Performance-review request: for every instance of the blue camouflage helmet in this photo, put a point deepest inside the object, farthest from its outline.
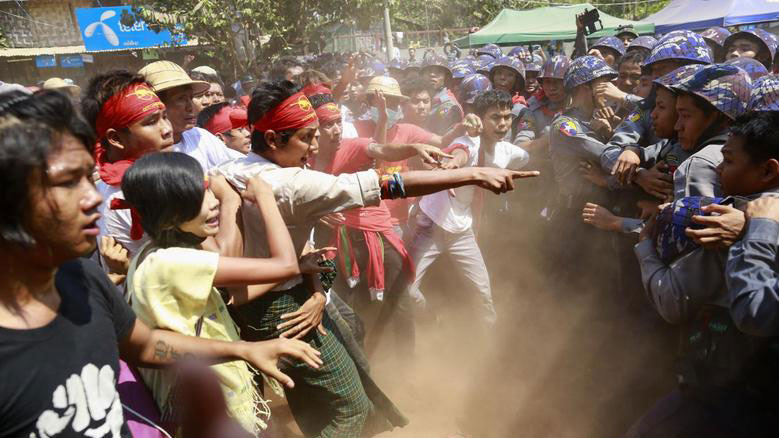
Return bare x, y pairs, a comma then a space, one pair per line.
461, 70
437, 61
522, 53
717, 35
645, 42
669, 236
533, 67
765, 94
680, 45
668, 80
472, 86
586, 69
397, 64
753, 67
491, 50
484, 59
510, 63
555, 68
760, 36
726, 87
611, 42
484, 67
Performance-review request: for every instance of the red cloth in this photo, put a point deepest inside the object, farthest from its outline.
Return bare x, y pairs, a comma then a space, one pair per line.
120, 111
127, 107
226, 119
518, 99
350, 157
401, 133
136, 230
324, 104
293, 113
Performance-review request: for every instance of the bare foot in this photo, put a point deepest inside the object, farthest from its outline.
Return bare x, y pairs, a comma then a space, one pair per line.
600, 217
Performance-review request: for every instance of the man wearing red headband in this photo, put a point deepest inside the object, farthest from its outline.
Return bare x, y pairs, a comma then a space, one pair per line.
228, 123
371, 255
336, 400
130, 121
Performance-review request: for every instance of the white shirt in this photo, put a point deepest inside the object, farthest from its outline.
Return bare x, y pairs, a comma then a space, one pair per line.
347, 130
451, 209
205, 147
302, 195
116, 223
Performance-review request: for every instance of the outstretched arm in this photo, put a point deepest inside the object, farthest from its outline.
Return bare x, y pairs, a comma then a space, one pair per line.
158, 348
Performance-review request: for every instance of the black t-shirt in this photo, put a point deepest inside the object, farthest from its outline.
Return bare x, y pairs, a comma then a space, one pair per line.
60, 379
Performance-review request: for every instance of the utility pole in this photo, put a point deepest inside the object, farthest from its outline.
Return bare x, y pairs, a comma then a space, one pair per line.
387, 32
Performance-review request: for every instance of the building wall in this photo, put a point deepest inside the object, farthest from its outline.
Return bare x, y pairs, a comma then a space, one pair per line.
41, 23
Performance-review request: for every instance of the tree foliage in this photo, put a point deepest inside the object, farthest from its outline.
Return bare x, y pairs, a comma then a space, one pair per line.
246, 32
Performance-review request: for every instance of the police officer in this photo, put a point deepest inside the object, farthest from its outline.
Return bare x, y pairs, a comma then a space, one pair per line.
492, 50
754, 43
610, 48
472, 86
674, 50
508, 74
715, 37
543, 107
445, 112
571, 141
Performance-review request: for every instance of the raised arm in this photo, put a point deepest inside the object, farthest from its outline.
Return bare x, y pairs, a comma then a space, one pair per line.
281, 264
228, 241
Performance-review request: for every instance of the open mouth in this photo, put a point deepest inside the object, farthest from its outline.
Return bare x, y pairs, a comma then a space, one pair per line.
213, 222
91, 229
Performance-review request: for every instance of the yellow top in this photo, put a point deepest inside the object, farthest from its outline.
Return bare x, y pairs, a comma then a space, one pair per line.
171, 289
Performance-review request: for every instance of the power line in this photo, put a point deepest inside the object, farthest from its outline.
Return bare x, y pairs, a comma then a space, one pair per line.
25, 18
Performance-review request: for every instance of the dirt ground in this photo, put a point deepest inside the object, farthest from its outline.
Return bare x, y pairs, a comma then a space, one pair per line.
561, 362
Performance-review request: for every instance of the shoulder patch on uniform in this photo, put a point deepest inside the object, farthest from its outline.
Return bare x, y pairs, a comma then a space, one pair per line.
567, 126
635, 116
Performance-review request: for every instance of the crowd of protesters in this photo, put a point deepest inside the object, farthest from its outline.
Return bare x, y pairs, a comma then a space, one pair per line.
174, 247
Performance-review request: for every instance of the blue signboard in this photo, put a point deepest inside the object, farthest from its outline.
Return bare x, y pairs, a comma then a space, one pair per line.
71, 61
101, 30
45, 61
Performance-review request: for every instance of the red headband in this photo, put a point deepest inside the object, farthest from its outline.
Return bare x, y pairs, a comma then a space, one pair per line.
293, 113
127, 107
322, 99
226, 119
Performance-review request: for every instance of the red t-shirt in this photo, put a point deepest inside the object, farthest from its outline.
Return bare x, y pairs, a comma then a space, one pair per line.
352, 156
401, 133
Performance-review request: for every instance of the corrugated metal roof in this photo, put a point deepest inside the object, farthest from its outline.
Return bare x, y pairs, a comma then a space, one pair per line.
66, 50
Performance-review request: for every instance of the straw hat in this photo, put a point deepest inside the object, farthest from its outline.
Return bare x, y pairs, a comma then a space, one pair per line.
206, 70
164, 75
61, 84
385, 84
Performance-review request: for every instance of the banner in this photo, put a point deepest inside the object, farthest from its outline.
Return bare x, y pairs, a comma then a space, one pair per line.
45, 61
71, 61
101, 29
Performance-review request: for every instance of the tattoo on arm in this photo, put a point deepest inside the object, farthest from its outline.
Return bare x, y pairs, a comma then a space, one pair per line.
163, 352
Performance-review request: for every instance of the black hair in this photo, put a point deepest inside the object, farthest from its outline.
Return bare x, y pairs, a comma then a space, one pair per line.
31, 127
167, 190
265, 97
760, 132
415, 85
491, 99
102, 87
634, 56
209, 112
279, 70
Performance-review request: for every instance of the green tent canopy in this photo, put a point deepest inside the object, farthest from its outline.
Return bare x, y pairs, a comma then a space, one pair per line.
543, 24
